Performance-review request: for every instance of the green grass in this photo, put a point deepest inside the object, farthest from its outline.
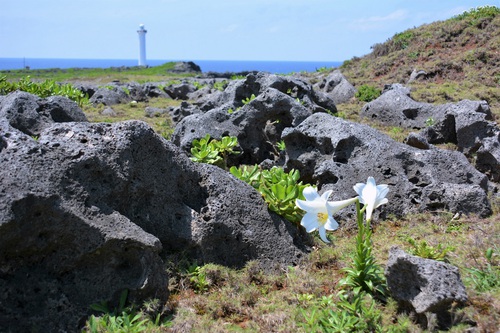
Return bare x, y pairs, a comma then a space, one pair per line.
162, 125
295, 299
124, 74
214, 298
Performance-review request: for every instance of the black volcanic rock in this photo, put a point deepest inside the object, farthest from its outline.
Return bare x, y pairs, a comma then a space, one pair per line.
336, 154
185, 67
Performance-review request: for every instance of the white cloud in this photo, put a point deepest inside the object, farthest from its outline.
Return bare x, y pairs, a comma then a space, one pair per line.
375, 23
398, 15
274, 29
230, 28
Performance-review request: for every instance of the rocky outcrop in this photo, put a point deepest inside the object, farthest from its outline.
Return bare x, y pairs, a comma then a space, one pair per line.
239, 91
335, 154
395, 107
110, 95
255, 110
465, 124
136, 91
180, 91
468, 125
424, 286
32, 114
257, 125
180, 112
151, 112
89, 210
337, 87
488, 157
185, 67
154, 90
58, 256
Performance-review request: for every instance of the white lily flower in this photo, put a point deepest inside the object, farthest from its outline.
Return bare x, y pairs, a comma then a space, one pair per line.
371, 195
319, 212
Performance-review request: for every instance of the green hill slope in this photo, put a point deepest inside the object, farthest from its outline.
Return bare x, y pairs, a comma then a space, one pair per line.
461, 55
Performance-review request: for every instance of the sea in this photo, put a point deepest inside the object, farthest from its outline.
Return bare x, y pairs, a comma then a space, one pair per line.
220, 66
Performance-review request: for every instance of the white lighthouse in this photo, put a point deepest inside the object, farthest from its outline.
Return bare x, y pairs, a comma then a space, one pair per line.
142, 45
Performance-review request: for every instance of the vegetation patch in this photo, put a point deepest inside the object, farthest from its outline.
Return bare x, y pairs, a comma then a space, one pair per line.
43, 89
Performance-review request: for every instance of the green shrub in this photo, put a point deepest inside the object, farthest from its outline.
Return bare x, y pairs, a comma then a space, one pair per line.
248, 99
212, 151
324, 69
43, 89
281, 145
354, 314
220, 85
250, 175
278, 188
126, 91
198, 85
367, 93
402, 40
198, 278
426, 251
478, 13
430, 122
125, 319
238, 77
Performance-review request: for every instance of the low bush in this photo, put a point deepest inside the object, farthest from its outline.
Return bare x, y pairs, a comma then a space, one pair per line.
367, 93
43, 89
280, 189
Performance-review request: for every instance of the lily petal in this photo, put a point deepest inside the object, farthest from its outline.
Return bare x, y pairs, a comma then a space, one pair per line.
326, 195
309, 205
382, 191
331, 224
310, 193
319, 212
371, 195
322, 235
334, 206
359, 189
310, 222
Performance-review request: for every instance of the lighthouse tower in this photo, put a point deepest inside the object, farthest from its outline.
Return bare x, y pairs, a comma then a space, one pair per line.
142, 45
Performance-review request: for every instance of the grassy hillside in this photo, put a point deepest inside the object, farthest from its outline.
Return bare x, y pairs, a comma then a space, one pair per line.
461, 57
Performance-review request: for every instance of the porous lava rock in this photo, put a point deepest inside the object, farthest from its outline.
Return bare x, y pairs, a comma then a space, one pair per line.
90, 210
336, 154
424, 286
337, 87
31, 114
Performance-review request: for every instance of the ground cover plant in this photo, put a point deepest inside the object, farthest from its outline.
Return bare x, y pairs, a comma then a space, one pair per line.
279, 189
43, 89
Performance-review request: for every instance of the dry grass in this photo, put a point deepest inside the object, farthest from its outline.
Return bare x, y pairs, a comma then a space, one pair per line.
163, 124
255, 299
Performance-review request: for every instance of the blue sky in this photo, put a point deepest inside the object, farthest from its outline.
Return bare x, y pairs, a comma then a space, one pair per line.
295, 30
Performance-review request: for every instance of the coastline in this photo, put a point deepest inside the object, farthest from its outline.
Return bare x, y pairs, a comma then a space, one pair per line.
220, 66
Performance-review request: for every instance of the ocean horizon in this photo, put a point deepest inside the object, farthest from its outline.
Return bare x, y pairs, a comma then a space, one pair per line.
221, 66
